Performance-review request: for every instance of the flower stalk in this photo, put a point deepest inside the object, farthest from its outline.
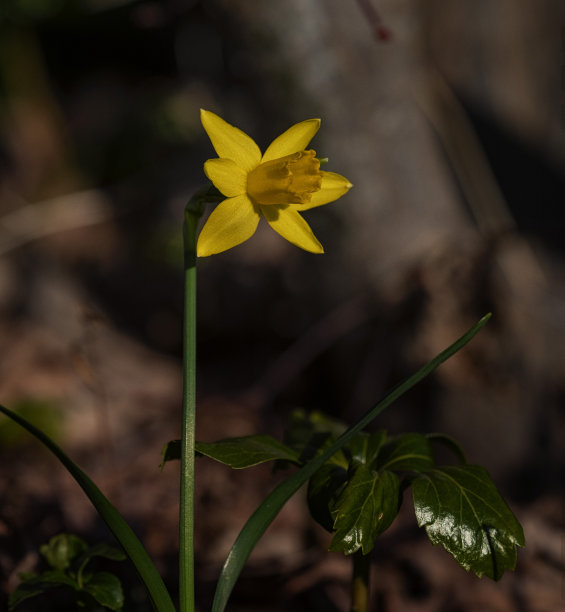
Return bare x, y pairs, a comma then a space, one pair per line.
192, 214
277, 185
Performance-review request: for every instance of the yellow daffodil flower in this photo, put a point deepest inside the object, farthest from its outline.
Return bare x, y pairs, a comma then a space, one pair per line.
277, 185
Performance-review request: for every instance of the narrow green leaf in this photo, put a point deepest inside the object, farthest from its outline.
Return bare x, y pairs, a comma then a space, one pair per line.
106, 590
247, 451
62, 549
121, 530
266, 512
411, 451
463, 511
43, 413
366, 507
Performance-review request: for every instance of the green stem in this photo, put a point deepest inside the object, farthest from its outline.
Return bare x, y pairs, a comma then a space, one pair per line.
192, 214
360, 582
186, 522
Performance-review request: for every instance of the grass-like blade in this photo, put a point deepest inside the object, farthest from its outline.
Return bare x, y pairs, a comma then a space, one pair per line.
271, 506
122, 531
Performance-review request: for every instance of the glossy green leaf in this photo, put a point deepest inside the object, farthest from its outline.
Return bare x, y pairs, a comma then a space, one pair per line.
247, 451
449, 443
365, 447
62, 549
374, 445
463, 511
272, 504
106, 590
366, 507
238, 453
122, 531
411, 451
327, 484
107, 551
34, 585
323, 491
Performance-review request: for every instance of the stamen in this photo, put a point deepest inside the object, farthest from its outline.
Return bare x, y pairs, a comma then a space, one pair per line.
287, 180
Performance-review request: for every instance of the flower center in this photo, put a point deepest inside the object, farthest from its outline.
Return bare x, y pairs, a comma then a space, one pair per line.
288, 180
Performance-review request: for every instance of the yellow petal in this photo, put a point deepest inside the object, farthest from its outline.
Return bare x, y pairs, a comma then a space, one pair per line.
227, 176
232, 222
286, 220
333, 187
230, 142
294, 139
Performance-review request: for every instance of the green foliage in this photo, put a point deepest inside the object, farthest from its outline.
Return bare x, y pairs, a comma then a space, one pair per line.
365, 508
462, 510
62, 549
410, 451
255, 527
449, 443
238, 453
69, 558
357, 492
122, 531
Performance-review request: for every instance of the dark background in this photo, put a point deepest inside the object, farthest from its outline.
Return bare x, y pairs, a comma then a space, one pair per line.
452, 133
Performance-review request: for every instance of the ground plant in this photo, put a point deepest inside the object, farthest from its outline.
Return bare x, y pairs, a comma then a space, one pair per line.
356, 476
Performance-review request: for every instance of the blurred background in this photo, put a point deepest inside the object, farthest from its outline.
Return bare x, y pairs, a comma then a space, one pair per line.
449, 119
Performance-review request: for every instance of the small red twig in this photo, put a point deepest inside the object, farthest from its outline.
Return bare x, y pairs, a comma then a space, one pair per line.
375, 22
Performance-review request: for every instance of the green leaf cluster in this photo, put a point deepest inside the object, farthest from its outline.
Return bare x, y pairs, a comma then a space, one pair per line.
462, 510
357, 493
69, 559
